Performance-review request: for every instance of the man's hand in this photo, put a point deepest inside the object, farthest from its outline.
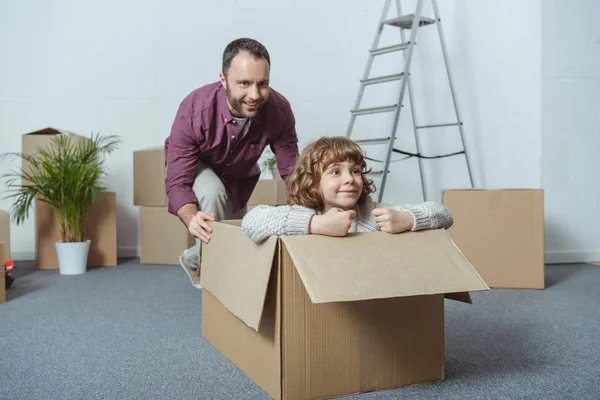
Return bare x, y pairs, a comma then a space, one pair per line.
393, 221
199, 226
335, 222
196, 221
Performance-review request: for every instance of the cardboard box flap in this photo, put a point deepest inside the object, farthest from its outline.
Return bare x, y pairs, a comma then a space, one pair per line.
236, 271
151, 149
374, 265
46, 131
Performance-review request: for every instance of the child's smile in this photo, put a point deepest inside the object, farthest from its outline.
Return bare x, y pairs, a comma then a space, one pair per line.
341, 185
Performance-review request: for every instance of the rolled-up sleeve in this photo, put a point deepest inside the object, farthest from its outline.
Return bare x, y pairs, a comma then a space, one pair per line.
285, 147
182, 160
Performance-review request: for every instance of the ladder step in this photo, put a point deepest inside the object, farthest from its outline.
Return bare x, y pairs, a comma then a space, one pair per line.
389, 49
373, 141
405, 22
373, 110
382, 79
375, 173
438, 125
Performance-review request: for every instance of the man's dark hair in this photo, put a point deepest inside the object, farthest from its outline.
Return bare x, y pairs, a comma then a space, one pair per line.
244, 44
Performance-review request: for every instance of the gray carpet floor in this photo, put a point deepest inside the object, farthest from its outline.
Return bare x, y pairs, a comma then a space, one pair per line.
134, 332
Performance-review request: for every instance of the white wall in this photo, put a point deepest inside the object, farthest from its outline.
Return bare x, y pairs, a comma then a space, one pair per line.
571, 129
121, 67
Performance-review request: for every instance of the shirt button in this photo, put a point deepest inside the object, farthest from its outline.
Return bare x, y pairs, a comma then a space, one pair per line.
233, 136
227, 165
231, 152
234, 122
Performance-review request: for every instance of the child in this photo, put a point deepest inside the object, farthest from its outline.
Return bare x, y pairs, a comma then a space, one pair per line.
328, 193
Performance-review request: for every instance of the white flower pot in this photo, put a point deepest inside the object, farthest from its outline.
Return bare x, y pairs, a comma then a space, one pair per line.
72, 257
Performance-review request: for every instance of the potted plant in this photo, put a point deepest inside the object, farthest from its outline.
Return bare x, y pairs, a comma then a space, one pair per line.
65, 175
270, 164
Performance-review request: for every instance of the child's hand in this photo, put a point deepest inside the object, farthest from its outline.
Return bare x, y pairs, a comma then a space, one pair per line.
335, 222
393, 221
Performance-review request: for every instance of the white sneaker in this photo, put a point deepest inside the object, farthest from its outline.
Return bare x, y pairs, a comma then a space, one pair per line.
189, 261
189, 258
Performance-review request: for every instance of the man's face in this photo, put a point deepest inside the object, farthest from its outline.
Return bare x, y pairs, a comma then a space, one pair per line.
246, 84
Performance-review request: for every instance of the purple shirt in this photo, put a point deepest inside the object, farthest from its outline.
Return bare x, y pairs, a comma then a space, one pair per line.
204, 130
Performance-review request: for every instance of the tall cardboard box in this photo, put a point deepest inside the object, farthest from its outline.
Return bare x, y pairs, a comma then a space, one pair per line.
311, 316
162, 236
501, 232
3, 257
33, 141
149, 175
101, 230
5, 233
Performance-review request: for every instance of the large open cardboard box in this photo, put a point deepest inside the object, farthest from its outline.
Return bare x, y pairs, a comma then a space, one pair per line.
5, 233
149, 175
310, 317
162, 236
101, 230
501, 232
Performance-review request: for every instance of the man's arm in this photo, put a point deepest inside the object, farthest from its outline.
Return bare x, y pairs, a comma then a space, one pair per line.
182, 160
187, 212
285, 147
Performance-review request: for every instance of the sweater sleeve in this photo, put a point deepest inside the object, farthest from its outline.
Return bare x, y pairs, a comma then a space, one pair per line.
428, 215
264, 221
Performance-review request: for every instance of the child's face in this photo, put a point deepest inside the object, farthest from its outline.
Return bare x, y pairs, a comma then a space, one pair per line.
341, 185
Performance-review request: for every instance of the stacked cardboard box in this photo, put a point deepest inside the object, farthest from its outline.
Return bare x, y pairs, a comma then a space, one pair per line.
269, 192
101, 228
5, 233
3, 258
4, 250
162, 235
311, 316
501, 232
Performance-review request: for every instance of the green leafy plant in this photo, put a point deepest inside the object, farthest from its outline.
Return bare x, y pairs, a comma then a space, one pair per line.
65, 175
268, 162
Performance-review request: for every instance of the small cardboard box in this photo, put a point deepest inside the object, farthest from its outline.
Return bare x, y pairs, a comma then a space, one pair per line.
101, 230
33, 141
311, 316
162, 236
149, 175
501, 232
3, 257
5, 233
269, 192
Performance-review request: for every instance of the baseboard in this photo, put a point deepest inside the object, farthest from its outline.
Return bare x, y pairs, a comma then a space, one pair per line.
567, 257
128, 252
21, 255
551, 257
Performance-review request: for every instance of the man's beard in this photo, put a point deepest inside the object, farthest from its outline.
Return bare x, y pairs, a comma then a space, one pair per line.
237, 106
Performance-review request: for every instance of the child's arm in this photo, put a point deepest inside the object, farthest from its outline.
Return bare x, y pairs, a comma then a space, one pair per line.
264, 221
428, 215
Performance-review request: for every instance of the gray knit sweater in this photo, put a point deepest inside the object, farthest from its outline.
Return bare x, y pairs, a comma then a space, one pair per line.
264, 221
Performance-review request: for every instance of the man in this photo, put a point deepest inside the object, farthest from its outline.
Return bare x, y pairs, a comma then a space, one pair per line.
218, 135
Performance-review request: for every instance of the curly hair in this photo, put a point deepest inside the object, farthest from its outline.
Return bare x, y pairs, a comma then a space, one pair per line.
303, 183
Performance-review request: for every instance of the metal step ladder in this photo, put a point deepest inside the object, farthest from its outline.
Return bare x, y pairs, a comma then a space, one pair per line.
410, 22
